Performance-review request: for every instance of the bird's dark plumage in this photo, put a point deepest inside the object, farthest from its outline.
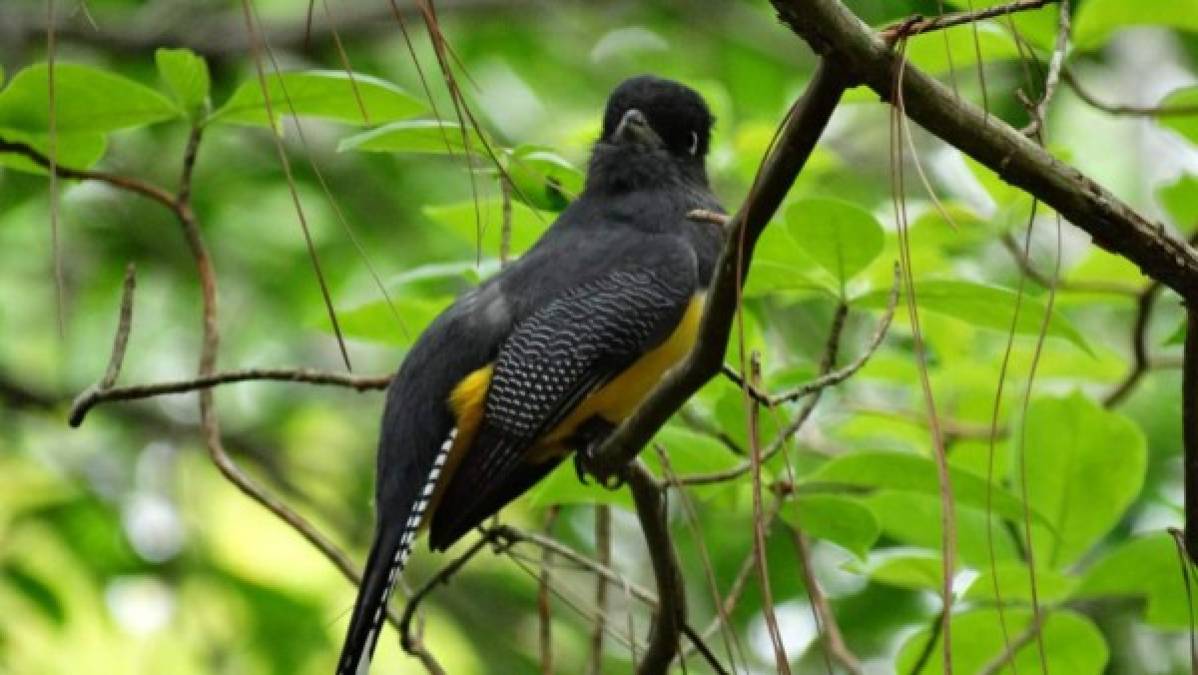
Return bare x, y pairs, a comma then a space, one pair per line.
564, 341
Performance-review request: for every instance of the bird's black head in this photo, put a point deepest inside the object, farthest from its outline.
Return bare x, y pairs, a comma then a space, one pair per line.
655, 131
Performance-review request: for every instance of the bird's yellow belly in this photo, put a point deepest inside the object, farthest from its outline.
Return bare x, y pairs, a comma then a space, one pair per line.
614, 402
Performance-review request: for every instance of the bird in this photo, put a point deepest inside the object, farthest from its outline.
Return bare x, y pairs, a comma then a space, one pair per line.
550, 354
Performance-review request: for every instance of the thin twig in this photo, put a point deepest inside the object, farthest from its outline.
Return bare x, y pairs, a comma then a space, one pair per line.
441, 577
544, 608
671, 608
1023, 260
91, 397
124, 323
1022, 640
815, 387
1055, 64
603, 555
919, 25
505, 233
760, 559
1084, 94
126, 183
834, 643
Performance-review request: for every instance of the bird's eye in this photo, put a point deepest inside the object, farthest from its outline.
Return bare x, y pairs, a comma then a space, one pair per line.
694, 142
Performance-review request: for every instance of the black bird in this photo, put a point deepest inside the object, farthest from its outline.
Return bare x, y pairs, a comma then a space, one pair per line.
548, 355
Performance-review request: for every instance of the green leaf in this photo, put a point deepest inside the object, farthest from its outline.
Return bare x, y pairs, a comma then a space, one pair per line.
1085, 466
1147, 567
920, 572
1014, 584
376, 321
1072, 644
1096, 20
186, 75
900, 471
989, 307
327, 94
87, 100
35, 590
1180, 199
840, 520
839, 236
1186, 125
915, 518
430, 137
1178, 336
465, 221
75, 150
562, 486
543, 179
689, 452
929, 52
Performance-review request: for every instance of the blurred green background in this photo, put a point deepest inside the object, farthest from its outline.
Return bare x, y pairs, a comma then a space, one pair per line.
122, 550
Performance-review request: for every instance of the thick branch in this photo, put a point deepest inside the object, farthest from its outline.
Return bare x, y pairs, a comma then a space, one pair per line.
794, 144
837, 34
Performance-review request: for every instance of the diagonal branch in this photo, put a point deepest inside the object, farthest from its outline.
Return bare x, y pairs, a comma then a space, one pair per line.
837, 34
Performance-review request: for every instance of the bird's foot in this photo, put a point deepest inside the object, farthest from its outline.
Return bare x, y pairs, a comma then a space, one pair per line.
588, 438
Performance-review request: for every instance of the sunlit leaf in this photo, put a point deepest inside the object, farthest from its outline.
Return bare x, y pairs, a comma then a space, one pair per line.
918, 572
1015, 584
1096, 20
563, 487
1072, 644
471, 222
841, 237
983, 306
433, 137
1085, 466
841, 520
326, 94
1146, 567
1180, 199
87, 100
1186, 125
901, 471
689, 452
186, 75
543, 179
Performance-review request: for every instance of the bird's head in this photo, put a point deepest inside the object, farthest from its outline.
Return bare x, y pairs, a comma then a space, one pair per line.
655, 131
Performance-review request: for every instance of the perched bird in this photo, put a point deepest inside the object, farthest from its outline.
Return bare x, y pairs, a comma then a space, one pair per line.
554, 351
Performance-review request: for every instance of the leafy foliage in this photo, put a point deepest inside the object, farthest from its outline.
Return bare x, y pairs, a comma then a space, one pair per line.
124, 544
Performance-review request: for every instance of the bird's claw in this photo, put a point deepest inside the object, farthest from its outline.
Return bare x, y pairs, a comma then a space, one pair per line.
582, 466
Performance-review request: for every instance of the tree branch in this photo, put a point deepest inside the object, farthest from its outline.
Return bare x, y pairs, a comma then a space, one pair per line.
837, 34
1084, 94
919, 25
671, 608
92, 397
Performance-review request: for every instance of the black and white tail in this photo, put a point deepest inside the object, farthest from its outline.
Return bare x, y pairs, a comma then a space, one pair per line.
388, 555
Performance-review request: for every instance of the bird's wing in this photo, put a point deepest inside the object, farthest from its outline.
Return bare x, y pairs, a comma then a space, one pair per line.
549, 364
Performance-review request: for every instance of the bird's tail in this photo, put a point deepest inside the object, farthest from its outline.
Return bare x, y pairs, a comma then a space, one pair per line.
388, 554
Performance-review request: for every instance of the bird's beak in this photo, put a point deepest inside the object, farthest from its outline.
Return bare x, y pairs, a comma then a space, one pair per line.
634, 128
